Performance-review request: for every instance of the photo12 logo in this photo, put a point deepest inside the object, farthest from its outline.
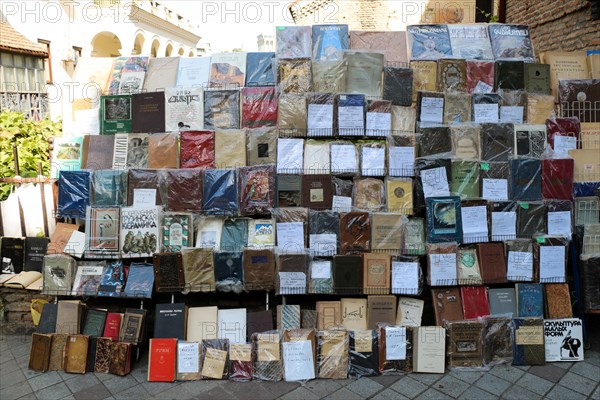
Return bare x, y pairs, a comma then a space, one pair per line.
54, 11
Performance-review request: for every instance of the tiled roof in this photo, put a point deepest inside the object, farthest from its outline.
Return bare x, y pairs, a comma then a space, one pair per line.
13, 41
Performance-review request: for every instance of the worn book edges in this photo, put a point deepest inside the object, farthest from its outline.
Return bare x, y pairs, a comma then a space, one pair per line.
39, 356
465, 344
75, 353
447, 305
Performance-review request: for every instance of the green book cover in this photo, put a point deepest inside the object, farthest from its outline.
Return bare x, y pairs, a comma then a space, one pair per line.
94, 323
177, 232
115, 114
66, 154
465, 179
537, 78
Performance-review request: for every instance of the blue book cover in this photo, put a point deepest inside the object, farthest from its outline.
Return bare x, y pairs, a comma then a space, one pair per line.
220, 192
109, 188
429, 42
530, 300
528, 342
444, 222
140, 281
329, 41
259, 69
525, 179
113, 280
73, 194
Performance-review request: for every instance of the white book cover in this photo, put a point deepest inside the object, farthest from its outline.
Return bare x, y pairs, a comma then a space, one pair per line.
209, 232
188, 357
470, 41
131, 82
563, 339
232, 325
140, 232
193, 71
201, 323
316, 158
410, 311
184, 108
161, 74
290, 156
261, 233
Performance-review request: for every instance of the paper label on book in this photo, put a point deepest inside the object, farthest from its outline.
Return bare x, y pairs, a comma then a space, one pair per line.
432, 109
495, 189
474, 221
442, 269
351, 120
268, 347
519, 265
435, 182
363, 341
552, 264
333, 343
483, 87
373, 161
410, 311
324, 244
405, 277
485, 113
559, 223
299, 361
341, 204
379, 124
402, 161
529, 335
343, 159
320, 119
214, 363
320, 270
290, 236
562, 145
240, 352
144, 197
292, 283
188, 358
504, 225
512, 114
395, 343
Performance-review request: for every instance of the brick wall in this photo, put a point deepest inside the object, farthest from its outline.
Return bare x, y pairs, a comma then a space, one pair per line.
557, 24
17, 309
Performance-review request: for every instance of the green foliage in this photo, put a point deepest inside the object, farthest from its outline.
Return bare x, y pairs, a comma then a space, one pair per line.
31, 139
490, 17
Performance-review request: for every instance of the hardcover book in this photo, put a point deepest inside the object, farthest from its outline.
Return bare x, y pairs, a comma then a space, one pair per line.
259, 69
486, 107
492, 261
497, 141
259, 269
12, 251
222, 109
510, 75
329, 42
457, 108
557, 178
447, 305
563, 134
465, 344
444, 221
120, 358
364, 353
511, 42
113, 280
452, 75
530, 140
575, 95
558, 300
39, 357
381, 309
259, 107
220, 192
410, 311
112, 326
87, 278
565, 65
115, 114
75, 353
329, 314
140, 232
102, 233
130, 151
387, 230
229, 271
109, 187
525, 182
376, 273
364, 74
132, 328
530, 300
470, 41
428, 42
148, 112
395, 349
468, 271
48, 319
398, 85
355, 232
563, 339
188, 361
261, 146
464, 180
57, 357
228, 70
67, 154
161, 74
497, 346
329, 76
140, 281
103, 353
256, 189
194, 71
429, 349
480, 76
161, 362
163, 151
391, 44
474, 301
347, 274
332, 358
502, 302
320, 114
168, 272
197, 149
293, 41
424, 77
294, 76
97, 152
201, 324
537, 78
288, 317
528, 345
354, 314
184, 108
58, 273
317, 191
73, 194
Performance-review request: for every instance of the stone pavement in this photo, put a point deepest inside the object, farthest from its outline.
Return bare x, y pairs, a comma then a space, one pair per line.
559, 381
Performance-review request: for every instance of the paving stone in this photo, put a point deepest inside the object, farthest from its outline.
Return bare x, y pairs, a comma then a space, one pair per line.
408, 387
507, 372
15, 391
9, 366
240, 390
535, 383
468, 376
174, 393
593, 357
578, 383
588, 370
30, 396
279, 389
70, 397
492, 384
386, 380
21, 350
140, 374
564, 365
427, 379
323, 387
474, 393
44, 380
432, 394
388, 394
54, 392
98, 391
300, 393
451, 386
5, 356
83, 382
216, 393
195, 387
30, 373
517, 392
103, 377
66, 376
155, 388
118, 384
522, 367
549, 372
135, 392
596, 394
343, 394
11, 378
365, 387
562, 393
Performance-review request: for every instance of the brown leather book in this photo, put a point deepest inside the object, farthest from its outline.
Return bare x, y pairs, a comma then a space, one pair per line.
168, 272
132, 328
163, 151
465, 344
184, 189
59, 341
143, 179
451, 75
148, 112
381, 309
390, 366
317, 191
558, 301
355, 232
39, 356
76, 351
103, 355
447, 305
291, 263
492, 262
376, 273
259, 269
97, 153
120, 358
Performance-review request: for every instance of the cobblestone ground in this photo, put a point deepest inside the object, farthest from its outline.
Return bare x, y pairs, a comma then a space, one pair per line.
559, 381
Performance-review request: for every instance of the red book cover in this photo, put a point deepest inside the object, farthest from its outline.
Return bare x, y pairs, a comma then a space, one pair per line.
557, 178
197, 149
474, 301
259, 107
161, 361
480, 75
112, 326
562, 127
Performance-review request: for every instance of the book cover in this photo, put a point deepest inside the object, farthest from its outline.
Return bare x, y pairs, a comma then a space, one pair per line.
232, 325
259, 321
95, 320
201, 324
102, 361
67, 154
465, 344
288, 317
329, 42
579, 98
355, 232
184, 108
130, 151
148, 112
511, 42
563, 339
386, 231
259, 107
262, 146
396, 350
132, 327
113, 280
364, 353
497, 141
444, 221
259, 69
347, 274
364, 74
558, 300
424, 77
320, 114
530, 300
380, 309
429, 349
140, 281
168, 272
39, 357
222, 109
58, 273
447, 305
525, 181
474, 301
329, 76
163, 151
376, 273
120, 358
502, 302
537, 78
127, 74
289, 191
161, 360
194, 71
291, 118
329, 314
470, 41
140, 232
112, 326
161, 74
557, 178
430, 108
294, 76
177, 232
87, 278
464, 180
102, 232
198, 269
48, 318
410, 311
565, 65
230, 148
428, 42
229, 271
115, 114
12, 251
398, 85
228, 70
76, 350
452, 75
293, 42
197, 149
220, 192
509, 75
480, 76
143, 188
317, 191
59, 341
332, 354
354, 314
97, 152
528, 344
486, 107
457, 108
530, 140
391, 44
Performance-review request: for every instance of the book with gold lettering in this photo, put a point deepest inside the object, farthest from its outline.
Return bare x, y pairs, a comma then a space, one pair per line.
376, 273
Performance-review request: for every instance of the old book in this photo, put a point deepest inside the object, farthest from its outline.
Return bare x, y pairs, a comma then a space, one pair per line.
289, 190
452, 75
259, 69
399, 193
113, 281
112, 326
497, 345
563, 134
56, 361
347, 274
120, 358
332, 358
39, 356
259, 321
376, 273
69, 317
590, 135
232, 325
67, 154
433, 141
354, 314
140, 231
184, 108
369, 193
193, 71
183, 189
424, 77
12, 251
381, 309
261, 146
430, 108
530, 300
465, 344
132, 327
429, 349
163, 151
510, 75
161, 360
531, 219
447, 305
268, 365
428, 42
127, 75
308, 319
329, 41
530, 140
364, 74
329, 314
525, 179
161, 73
585, 166
468, 271
58, 274
294, 76
97, 152
102, 236
413, 234
73, 194
259, 269
395, 349
364, 353
386, 230
220, 192
168, 272
565, 65
94, 323
108, 188
329, 76
355, 232
398, 85
480, 76
563, 339
228, 70
323, 233
470, 41
502, 302
259, 107
464, 180
140, 281
474, 301
391, 44
88, 277
528, 345
103, 355
222, 109
492, 261
229, 271
410, 311
317, 191
444, 220
293, 41
537, 78
148, 112
201, 323
75, 354
497, 141
115, 114
511, 42
457, 108
198, 269
48, 319
197, 149
170, 321
320, 114
60, 237
143, 183
188, 361
558, 300
230, 150
288, 317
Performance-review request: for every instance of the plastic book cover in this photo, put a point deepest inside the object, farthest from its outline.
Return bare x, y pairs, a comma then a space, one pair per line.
259, 69
429, 42
293, 41
140, 232
444, 223
228, 70
113, 280
73, 194
102, 232
184, 108
470, 42
177, 232
140, 281
511, 42
88, 277
66, 154
328, 42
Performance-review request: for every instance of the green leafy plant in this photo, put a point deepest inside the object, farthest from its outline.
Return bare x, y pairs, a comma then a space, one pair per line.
488, 15
31, 139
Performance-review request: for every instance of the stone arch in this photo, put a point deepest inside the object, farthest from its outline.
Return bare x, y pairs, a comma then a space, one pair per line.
155, 47
106, 44
181, 51
169, 50
191, 54
138, 43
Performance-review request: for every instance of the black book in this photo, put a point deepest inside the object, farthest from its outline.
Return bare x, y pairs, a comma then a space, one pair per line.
525, 183
48, 319
229, 270
94, 323
323, 223
170, 321
148, 112
168, 272
259, 69
434, 140
509, 75
398, 85
424, 164
347, 274
12, 254
91, 355
35, 250
258, 322
364, 353
497, 141
531, 219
